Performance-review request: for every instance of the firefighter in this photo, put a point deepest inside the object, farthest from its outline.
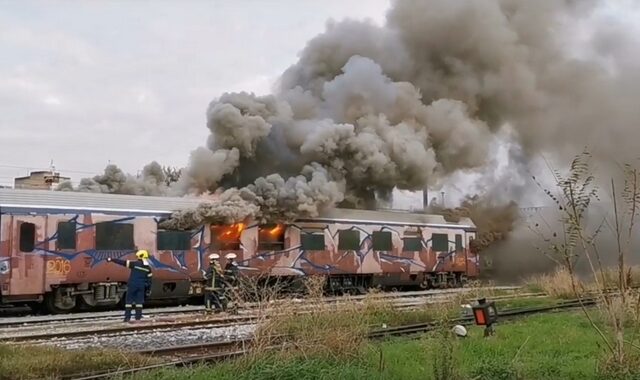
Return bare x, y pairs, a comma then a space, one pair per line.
231, 269
139, 283
214, 294
231, 282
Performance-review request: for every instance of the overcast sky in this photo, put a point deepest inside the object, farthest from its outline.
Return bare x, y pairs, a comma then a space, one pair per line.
83, 83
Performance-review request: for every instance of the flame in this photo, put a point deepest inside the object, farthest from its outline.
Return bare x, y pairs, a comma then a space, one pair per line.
275, 230
233, 231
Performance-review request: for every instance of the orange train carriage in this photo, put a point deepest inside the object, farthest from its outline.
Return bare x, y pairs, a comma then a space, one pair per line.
54, 246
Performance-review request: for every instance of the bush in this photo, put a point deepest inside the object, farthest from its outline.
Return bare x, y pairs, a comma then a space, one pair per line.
556, 284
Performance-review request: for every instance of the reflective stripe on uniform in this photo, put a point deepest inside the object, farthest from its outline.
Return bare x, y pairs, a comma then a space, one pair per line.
150, 274
142, 269
129, 306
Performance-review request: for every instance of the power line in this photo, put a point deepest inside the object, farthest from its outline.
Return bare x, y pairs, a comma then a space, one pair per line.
44, 168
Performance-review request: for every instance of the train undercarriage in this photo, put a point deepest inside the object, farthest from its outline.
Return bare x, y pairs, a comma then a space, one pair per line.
111, 295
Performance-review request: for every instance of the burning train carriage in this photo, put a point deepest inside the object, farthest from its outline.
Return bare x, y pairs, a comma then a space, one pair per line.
54, 246
356, 249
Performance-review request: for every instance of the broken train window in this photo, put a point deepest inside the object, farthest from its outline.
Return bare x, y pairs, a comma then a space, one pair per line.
271, 237
226, 237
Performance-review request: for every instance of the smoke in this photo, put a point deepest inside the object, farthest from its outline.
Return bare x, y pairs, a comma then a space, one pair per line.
494, 222
415, 103
268, 199
150, 182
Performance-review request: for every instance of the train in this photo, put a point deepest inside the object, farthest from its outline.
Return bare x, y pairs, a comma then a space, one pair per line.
54, 247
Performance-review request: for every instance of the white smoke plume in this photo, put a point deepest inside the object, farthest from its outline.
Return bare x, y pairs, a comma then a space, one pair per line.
409, 104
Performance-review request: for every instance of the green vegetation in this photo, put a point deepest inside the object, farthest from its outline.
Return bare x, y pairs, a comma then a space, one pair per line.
552, 346
34, 362
517, 303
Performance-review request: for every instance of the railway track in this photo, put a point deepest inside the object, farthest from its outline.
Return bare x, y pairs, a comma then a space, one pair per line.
217, 351
56, 336
6, 322
134, 329
469, 320
76, 323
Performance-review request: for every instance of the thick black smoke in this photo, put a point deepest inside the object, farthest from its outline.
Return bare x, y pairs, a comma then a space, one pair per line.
408, 104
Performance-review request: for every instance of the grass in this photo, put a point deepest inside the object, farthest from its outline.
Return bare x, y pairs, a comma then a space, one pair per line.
551, 346
330, 342
34, 362
556, 284
339, 331
525, 302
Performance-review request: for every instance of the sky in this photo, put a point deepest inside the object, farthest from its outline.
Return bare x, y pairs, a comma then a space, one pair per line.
128, 82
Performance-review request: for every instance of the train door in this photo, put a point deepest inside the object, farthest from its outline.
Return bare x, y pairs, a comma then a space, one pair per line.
27, 269
473, 263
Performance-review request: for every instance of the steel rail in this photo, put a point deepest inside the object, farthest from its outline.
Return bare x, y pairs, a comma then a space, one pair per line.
35, 320
467, 320
214, 323
174, 325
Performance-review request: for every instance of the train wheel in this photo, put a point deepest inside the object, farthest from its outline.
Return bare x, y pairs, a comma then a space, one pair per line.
51, 306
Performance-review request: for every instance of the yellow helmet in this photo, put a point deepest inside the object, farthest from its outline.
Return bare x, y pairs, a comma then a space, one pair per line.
142, 254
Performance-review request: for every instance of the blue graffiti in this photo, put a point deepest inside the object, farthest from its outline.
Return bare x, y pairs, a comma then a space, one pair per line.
180, 257
157, 264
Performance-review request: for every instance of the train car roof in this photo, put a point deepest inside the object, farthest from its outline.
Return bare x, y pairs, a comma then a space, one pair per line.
16, 199
68, 201
388, 217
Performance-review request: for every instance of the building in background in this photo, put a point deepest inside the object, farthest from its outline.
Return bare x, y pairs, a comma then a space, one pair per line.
39, 180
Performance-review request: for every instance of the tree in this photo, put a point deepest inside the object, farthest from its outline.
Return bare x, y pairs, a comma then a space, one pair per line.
171, 174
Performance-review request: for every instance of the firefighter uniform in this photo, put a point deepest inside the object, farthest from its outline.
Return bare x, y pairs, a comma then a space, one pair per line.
139, 283
214, 289
231, 270
231, 281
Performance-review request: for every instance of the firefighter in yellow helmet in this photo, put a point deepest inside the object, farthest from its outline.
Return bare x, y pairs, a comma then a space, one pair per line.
139, 283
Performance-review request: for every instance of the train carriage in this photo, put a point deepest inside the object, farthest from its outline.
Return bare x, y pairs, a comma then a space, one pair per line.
54, 246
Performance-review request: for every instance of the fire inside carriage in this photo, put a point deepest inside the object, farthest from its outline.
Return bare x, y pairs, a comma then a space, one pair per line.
54, 247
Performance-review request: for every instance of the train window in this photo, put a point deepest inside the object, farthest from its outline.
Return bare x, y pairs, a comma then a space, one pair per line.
312, 242
226, 238
114, 236
271, 237
412, 244
66, 235
382, 241
459, 246
440, 242
349, 240
173, 240
27, 237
